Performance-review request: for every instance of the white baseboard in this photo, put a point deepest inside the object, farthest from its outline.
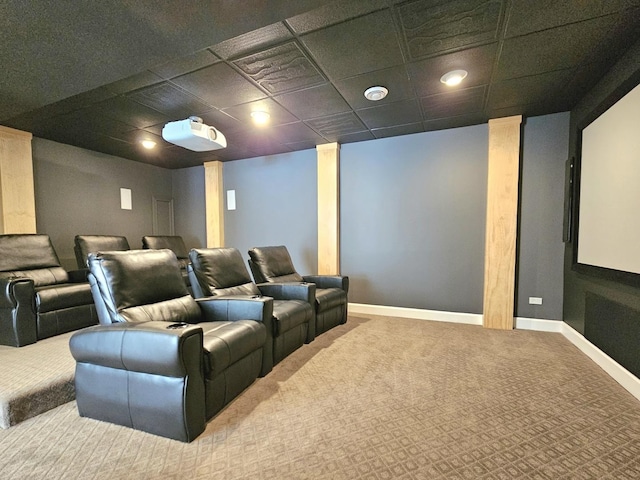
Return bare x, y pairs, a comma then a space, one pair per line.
416, 313
626, 379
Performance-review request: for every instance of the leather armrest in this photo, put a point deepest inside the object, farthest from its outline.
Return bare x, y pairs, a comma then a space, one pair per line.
148, 347
329, 281
78, 276
17, 312
15, 290
236, 307
289, 291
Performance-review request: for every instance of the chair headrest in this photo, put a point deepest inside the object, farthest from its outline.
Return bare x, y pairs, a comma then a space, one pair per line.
26, 252
172, 242
219, 267
137, 277
273, 262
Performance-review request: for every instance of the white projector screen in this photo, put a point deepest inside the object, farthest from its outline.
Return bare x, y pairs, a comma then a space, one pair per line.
609, 210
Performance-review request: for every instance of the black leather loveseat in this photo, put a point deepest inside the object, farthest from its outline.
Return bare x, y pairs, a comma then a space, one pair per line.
161, 361
38, 298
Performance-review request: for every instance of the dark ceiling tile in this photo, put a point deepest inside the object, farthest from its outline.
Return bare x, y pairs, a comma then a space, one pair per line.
431, 27
334, 12
526, 16
455, 122
234, 151
314, 102
134, 82
364, 44
294, 132
334, 126
280, 69
453, 103
391, 114
554, 49
221, 121
219, 85
129, 112
478, 62
259, 38
243, 112
306, 145
526, 90
187, 64
170, 100
398, 130
395, 79
353, 137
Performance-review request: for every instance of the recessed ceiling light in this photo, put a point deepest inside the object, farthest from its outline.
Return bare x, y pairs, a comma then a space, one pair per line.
260, 117
454, 77
148, 144
375, 93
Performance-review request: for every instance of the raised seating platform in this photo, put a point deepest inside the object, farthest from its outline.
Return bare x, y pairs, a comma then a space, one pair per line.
35, 378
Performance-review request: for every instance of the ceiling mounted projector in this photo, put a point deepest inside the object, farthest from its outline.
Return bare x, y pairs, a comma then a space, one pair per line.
194, 135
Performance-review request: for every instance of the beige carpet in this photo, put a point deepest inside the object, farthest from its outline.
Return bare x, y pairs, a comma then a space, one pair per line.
377, 398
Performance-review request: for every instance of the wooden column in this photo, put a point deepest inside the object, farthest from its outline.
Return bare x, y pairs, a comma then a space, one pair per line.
214, 204
328, 209
17, 197
502, 222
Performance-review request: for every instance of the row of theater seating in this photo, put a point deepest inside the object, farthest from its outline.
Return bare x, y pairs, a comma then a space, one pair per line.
165, 362
39, 298
146, 366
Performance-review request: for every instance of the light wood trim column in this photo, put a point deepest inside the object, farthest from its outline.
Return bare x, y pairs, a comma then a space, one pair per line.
214, 203
17, 196
502, 222
328, 209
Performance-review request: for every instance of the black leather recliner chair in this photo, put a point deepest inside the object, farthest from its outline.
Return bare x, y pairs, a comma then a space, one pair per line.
161, 361
175, 243
86, 244
273, 264
222, 272
38, 298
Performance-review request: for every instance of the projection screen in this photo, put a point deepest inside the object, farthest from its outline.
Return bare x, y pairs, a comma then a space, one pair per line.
609, 209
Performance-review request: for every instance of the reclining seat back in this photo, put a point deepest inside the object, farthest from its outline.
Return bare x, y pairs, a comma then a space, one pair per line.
31, 256
219, 271
173, 243
41, 300
128, 287
86, 244
273, 264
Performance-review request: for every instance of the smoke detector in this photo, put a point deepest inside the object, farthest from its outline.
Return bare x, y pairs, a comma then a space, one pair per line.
375, 93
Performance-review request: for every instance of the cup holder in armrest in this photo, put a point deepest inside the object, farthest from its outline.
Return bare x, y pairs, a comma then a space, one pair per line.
174, 326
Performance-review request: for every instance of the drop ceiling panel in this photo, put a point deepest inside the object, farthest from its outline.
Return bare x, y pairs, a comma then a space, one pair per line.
395, 79
478, 62
435, 27
219, 86
333, 12
357, 46
453, 103
169, 100
254, 40
279, 115
314, 102
280, 69
554, 49
390, 114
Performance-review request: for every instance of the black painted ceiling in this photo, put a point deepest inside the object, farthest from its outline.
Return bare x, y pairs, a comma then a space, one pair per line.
104, 75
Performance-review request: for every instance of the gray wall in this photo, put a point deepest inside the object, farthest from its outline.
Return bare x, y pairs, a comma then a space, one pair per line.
276, 204
77, 191
189, 206
540, 255
412, 219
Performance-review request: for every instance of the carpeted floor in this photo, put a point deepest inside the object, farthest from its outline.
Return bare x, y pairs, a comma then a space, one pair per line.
35, 378
377, 398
